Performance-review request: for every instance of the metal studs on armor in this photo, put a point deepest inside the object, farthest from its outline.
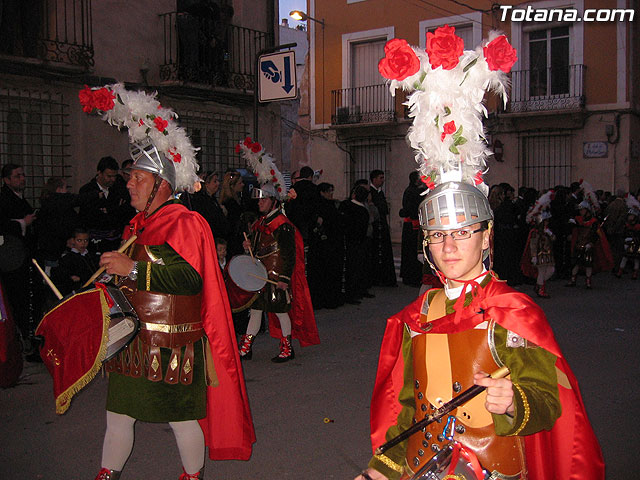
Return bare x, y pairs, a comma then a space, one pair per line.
421, 452
416, 461
428, 435
435, 448
457, 387
423, 407
425, 444
420, 396
460, 429
417, 384
440, 437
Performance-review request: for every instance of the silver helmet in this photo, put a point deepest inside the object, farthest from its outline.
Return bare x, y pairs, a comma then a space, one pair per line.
146, 157
452, 205
266, 190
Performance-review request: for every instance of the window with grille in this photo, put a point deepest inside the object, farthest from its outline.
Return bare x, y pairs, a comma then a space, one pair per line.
34, 134
216, 135
545, 161
548, 55
365, 157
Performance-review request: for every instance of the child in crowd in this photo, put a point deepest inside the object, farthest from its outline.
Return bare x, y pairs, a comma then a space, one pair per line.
221, 250
77, 265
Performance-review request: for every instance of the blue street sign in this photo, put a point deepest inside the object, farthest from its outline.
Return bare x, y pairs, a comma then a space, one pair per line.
277, 77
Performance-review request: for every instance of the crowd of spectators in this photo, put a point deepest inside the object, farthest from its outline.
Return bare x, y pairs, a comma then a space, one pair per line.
347, 242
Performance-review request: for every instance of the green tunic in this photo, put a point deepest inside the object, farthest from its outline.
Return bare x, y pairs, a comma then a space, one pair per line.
532, 369
150, 401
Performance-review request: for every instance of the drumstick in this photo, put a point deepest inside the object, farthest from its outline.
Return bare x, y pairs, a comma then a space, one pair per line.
47, 279
124, 246
262, 278
247, 239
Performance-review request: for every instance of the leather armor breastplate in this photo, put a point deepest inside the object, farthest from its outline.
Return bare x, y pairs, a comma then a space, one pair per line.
469, 353
162, 324
268, 252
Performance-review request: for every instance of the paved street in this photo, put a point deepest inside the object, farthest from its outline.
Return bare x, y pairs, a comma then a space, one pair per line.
597, 329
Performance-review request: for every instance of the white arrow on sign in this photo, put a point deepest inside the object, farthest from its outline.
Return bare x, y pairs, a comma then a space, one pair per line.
277, 76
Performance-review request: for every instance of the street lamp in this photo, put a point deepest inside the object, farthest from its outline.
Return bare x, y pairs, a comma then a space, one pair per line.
303, 17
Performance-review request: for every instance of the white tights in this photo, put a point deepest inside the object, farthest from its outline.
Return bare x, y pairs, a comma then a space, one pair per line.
544, 273
255, 319
118, 442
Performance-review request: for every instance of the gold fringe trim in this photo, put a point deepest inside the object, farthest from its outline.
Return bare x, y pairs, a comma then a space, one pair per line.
63, 401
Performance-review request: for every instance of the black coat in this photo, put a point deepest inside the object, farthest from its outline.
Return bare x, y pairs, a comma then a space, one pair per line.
303, 209
208, 206
105, 214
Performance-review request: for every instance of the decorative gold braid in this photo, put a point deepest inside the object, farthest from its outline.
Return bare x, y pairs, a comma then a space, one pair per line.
389, 463
527, 408
148, 285
63, 401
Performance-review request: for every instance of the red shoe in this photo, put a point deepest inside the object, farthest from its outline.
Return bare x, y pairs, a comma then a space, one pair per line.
106, 474
192, 476
286, 351
245, 346
542, 291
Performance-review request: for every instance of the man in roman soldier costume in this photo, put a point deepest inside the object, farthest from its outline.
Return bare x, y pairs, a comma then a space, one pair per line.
530, 424
537, 259
279, 246
183, 367
631, 239
590, 250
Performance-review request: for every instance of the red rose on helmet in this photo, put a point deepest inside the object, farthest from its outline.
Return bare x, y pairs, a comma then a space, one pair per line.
86, 99
103, 99
449, 128
161, 124
399, 62
444, 47
255, 147
238, 148
500, 55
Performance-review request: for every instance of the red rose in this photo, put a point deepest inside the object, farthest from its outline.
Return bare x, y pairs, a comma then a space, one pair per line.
86, 99
248, 141
273, 172
103, 99
478, 178
500, 55
255, 147
177, 158
444, 47
274, 179
161, 124
428, 182
238, 148
399, 62
449, 128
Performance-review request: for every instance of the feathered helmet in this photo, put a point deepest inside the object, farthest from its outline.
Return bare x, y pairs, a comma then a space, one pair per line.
448, 85
633, 204
158, 144
540, 211
272, 184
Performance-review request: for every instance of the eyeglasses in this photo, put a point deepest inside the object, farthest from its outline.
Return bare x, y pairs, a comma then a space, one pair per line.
462, 234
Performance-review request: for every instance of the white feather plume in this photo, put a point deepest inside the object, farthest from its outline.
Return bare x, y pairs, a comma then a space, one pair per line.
541, 205
137, 111
263, 166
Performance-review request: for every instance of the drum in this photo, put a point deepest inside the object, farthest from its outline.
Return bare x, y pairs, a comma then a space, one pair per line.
123, 322
245, 276
452, 462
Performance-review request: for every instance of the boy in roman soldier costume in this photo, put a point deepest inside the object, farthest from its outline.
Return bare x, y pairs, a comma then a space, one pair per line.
631, 239
537, 259
531, 424
183, 367
279, 246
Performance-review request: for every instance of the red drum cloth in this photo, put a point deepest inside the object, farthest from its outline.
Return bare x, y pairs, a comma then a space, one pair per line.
75, 343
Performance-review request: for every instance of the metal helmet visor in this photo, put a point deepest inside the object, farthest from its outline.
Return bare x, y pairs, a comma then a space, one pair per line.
146, 157
453, 205
265, 191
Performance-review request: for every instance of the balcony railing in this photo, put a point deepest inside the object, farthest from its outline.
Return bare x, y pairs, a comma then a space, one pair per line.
50, 30
547, 89
371, 104
198, 51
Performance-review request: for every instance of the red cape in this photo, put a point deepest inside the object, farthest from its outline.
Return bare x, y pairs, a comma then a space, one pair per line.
303, 320
569, 451
228, 427
528, 268
602, 256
